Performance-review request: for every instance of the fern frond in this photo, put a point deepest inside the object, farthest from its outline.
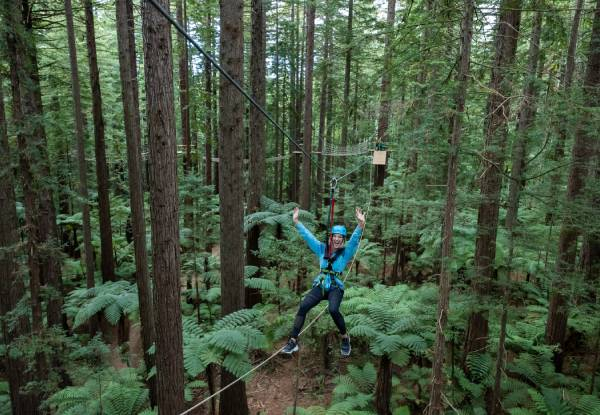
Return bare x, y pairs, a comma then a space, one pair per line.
237, 364
229, 339
237, 318
260, 284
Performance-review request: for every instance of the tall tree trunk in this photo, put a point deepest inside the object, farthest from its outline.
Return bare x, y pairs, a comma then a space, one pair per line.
383, 387
208, 108
28, 143
231, 209
496, 132
257, 138
44, 263
563, 125
80, 137
292, 113
164, 209
106, 246
184, 109
12, 286
583, 148
346, 99
129, 94
437, 377
184, 99
526, 118
386, 84
276, 105
33, 164
323, 111
308, 98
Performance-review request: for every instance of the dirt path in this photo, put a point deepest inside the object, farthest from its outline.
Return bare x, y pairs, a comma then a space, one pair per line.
271, 391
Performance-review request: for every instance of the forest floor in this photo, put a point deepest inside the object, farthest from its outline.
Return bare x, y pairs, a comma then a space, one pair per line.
272, 390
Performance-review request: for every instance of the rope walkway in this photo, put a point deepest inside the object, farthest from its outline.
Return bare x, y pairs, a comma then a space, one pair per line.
313, 321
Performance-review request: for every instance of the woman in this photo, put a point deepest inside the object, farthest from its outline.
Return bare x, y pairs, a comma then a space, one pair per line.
327, 285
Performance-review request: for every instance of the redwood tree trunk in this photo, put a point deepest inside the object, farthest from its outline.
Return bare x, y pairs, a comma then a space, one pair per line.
231, 209
436, 406
583, 148
567, 80
80, 137
44, 263
308, 97
386, 83
346, 98
208, 108
325, 82
164, 209
383, 388
129, 94
257, 138
106, 246
12, 286
496, 132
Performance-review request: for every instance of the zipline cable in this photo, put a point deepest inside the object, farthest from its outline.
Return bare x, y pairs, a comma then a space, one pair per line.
264, 112
258, 366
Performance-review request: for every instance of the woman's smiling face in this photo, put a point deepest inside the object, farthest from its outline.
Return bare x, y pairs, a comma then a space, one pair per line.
337, 241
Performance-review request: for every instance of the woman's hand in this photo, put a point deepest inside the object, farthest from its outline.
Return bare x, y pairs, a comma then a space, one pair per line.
295, 215
360, 217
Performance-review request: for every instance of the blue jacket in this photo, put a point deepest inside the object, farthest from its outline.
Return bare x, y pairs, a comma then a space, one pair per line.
319, 250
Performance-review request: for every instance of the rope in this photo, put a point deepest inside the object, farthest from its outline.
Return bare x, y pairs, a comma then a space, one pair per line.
264, 112
313, 321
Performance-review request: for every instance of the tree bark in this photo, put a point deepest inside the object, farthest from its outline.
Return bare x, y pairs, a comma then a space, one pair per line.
346, 99
583, 148
184, 109
44, 263
80, 137
12, 286
436, 406
106, 245
496, 132
231, 110
308, 98
567, 80
526, 118
208, 108
325, 82
383, 387
164, 209
129, 94
386, 83
257, 139
184, 99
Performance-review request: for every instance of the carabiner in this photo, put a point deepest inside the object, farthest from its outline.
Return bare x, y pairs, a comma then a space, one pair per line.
333, 183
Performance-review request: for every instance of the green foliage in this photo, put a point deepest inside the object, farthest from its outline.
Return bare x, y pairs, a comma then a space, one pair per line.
227, 343
389, 318
115, 299
111, 392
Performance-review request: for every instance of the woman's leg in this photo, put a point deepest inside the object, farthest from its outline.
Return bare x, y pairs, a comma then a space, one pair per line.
335, 299
313, 298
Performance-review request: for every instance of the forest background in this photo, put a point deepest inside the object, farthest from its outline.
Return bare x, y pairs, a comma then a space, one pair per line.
146, 244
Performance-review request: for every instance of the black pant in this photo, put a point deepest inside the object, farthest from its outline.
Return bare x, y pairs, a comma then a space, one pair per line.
314, 297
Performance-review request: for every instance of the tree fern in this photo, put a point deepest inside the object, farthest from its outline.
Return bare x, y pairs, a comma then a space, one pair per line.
115, 299
117, 392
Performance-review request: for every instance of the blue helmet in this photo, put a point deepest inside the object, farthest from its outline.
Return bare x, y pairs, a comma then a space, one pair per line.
339, 229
